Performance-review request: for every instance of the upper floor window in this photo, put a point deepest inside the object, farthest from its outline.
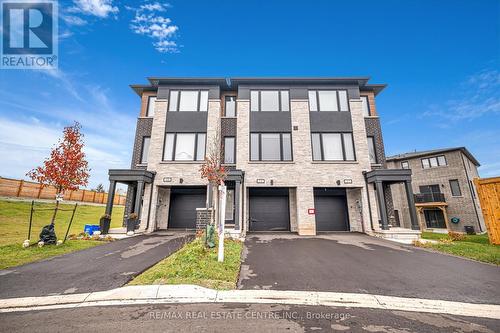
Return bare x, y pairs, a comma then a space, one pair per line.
432, 162
184, 147
371, 150
229, 150
145, 149
269, 100
333, 147
188, 100
270, 147
328, 100
150, 110
365, 105
455, 188
405, 165
230, 106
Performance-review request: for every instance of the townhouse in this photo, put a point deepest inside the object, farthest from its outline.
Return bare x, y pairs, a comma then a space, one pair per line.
445, 194
304, 155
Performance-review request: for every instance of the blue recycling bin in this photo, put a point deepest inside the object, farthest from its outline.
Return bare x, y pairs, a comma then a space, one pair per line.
90, 228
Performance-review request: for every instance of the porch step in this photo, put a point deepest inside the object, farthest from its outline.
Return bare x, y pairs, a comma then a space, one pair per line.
399, 235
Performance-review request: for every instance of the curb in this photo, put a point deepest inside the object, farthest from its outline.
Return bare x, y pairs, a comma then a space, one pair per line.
171, 294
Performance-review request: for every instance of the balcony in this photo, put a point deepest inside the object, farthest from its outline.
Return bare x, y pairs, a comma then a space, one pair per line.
429, 197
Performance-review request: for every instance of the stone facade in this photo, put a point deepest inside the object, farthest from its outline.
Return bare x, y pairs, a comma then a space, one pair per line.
465, 207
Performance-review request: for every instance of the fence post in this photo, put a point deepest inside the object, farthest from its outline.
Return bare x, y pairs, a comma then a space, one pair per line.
93, 198
21, 184
83, 196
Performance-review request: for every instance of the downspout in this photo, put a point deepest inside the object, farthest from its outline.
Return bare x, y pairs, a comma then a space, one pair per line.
369, 202
150, 199
471, 193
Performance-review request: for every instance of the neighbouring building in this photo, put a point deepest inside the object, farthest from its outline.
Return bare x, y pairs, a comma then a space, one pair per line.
445, 194
304, 155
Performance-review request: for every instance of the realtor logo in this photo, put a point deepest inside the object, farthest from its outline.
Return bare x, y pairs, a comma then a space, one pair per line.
29, 34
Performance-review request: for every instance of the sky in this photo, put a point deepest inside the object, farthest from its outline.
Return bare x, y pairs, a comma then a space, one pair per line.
440, 59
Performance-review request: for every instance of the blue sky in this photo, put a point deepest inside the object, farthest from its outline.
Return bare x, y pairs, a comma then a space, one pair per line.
440, 59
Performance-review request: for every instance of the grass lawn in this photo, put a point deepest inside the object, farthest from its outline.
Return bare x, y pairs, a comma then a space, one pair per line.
475, 247
194, 264
14, 221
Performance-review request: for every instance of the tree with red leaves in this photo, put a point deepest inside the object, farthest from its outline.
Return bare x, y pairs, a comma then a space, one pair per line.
66, 169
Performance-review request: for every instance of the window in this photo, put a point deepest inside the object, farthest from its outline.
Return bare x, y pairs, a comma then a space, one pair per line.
229, 214
229, 150
371, 150
365, 105
333, 147
455, 188
184, 147
145, 149
405, 165
328, 100
188, 100
150, 111
230, 106
269, 100
270, 147
433, 162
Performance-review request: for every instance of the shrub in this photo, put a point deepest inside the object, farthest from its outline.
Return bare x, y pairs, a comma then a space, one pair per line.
456, 236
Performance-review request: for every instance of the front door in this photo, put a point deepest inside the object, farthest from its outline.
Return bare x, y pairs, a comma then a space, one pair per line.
434, 218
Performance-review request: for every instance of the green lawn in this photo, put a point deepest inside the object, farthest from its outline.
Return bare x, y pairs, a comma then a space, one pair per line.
14, 221
195, 264
475, 247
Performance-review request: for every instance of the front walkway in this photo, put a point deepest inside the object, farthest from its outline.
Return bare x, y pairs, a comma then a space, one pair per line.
99, 268
357, 263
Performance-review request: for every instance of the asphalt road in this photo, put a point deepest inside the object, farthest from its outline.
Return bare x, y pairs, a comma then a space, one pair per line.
238, 318
349, 262
99, 268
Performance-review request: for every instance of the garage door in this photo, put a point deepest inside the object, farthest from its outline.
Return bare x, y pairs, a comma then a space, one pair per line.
331, 209
269, 209
183, 204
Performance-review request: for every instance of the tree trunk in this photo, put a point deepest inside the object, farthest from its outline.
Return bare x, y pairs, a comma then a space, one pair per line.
55, 213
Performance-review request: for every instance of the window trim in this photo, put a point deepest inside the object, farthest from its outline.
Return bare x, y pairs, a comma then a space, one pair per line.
374, 148
280, 103
147, 115
235, 106
260, 147
407, 162
437, 161
179, 93
234, 150
458, 186
342, 143
174, 147
367, 105
141, 160
318, 109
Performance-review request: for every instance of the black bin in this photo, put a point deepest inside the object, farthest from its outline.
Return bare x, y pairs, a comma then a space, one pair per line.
469, 229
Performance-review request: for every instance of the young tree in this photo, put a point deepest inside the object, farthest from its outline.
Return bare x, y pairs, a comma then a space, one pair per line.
66, 167
99, 189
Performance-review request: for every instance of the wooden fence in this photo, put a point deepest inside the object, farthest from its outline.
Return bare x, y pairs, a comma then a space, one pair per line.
489, 196
25, 189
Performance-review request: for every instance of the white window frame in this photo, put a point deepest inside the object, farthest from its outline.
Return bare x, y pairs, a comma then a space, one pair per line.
314, 100
282, 148
283, 100
175, 96
196, 147
343, 147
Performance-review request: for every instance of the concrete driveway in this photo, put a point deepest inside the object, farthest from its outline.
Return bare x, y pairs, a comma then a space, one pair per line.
351, 262
99, 268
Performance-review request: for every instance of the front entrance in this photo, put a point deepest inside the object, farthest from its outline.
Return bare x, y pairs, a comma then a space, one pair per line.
331, 209
434, 218
269, 209
183, 204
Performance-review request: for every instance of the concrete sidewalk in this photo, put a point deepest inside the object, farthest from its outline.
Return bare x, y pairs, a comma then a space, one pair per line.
173, 294
98, 268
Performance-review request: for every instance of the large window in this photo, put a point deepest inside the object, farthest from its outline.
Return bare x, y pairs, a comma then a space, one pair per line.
230, 106
455, 188
145, 149
184, 147
270, 147
229, 150
333, 147
150, 111
269, 100
188, 100
371, 150
328, 100
365, 105
433, 162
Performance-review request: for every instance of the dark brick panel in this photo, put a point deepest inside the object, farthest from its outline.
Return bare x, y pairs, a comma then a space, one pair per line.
144, 126
374, 129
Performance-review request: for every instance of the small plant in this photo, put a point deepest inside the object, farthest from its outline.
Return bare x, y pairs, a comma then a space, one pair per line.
456, 236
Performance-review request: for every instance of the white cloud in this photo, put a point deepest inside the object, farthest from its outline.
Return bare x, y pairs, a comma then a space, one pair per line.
149, 23
477, 96
99, 8
73, 20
